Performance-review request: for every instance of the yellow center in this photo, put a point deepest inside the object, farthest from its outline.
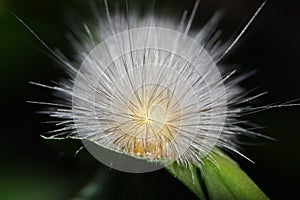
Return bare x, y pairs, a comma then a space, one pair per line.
153, 114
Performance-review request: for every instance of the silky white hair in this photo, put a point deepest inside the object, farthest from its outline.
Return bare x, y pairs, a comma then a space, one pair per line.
153, 88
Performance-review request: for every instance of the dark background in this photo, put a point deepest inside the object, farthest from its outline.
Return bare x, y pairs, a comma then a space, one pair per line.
33, 168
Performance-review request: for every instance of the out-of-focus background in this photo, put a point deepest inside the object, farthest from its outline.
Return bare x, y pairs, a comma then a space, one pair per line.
36, 169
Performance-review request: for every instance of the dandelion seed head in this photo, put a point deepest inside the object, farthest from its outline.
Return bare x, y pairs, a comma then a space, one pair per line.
151, 97
152, 90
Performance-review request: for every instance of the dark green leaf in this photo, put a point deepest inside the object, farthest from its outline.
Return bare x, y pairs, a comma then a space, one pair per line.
228, 180
189, 176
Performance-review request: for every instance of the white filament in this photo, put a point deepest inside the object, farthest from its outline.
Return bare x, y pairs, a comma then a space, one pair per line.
151, 90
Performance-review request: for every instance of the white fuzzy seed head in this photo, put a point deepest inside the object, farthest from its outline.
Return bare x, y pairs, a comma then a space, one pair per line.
151, 97
151, 90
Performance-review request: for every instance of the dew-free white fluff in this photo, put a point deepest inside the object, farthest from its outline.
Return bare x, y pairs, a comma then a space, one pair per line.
152, 89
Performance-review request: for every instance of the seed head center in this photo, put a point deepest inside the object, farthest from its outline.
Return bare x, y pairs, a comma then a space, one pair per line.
151, 126
154, 118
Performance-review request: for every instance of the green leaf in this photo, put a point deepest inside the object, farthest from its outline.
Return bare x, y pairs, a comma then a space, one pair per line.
189, 176
222, 179
228, 180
